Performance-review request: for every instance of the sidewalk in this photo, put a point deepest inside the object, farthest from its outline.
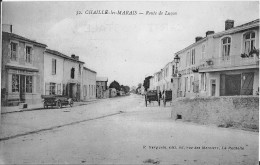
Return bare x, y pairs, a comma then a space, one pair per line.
34, 107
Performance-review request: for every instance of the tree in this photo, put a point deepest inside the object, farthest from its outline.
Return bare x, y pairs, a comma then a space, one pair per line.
146, 83
126, 89
115, 85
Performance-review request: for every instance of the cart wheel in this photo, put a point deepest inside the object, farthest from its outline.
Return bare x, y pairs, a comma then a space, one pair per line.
59, 104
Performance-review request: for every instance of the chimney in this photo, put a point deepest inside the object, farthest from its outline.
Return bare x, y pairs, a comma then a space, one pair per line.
7, 28
229, 24
76, 57
198, 38
11, 28
209, 33
73, 56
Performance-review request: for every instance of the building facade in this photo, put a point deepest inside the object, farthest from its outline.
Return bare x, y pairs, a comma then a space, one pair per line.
89, 84
101, 86
62, 75
233, 68
22, 70
221, 64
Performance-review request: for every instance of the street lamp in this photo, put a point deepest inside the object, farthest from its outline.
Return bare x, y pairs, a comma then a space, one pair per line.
176, 60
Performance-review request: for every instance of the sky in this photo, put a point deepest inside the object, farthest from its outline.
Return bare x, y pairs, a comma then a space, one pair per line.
125, 48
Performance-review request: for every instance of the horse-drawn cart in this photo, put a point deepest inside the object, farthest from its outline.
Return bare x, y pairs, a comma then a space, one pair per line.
56, 100
167, 96
152, 95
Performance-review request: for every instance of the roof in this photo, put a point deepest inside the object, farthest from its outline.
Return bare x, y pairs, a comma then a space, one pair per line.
235, 29
54, 52
246, 26
89, 69
101, 79
15, 36
192, 45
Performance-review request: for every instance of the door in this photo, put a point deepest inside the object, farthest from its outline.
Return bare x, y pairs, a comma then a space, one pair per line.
247, 83
22, 88
213, 87
71, 90
233, 84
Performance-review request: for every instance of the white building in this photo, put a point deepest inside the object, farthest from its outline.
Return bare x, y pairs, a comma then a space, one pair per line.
89, 84
62, 74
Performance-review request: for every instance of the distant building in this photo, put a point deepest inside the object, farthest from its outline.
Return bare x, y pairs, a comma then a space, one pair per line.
89, 84
22, 77
62, 74
101, 83
112, 92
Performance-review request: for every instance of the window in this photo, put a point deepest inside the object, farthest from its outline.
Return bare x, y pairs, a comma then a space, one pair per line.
203, 81
54, 66
28, 54
203, 52
89, 89
14, 51
79, 70
173, 71
249, 42
15, 83
72, 73
52, 88
226, 42
192, 56
59, 89
28, 88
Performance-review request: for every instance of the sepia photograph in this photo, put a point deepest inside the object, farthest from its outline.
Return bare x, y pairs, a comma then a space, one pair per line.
129, 82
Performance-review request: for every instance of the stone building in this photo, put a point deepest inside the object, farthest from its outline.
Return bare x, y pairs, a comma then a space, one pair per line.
62, 74
89, 84
221, 64
22, 78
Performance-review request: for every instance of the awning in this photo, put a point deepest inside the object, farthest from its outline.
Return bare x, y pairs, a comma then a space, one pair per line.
22, 67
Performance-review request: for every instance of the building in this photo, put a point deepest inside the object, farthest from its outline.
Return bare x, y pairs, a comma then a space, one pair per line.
221, 64
190, 58
62, 75
112, 92
166, 77
89, 84
101, 83
151, 83
22, 70
162, 80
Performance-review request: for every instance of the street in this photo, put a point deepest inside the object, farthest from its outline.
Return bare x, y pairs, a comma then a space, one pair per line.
119, 130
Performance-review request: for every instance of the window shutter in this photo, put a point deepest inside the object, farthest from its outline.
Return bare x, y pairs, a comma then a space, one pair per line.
32, 55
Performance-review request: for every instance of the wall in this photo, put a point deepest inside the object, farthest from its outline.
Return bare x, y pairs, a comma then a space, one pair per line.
48, 76
88, 78
227, 111
37, 62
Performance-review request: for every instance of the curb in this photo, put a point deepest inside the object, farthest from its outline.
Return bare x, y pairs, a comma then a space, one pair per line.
58, 126
36, 109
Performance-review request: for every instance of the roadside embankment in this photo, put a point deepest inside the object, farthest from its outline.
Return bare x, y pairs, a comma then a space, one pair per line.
226, 111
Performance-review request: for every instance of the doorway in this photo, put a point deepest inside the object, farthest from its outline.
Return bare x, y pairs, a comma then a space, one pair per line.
233, 84
213, 87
